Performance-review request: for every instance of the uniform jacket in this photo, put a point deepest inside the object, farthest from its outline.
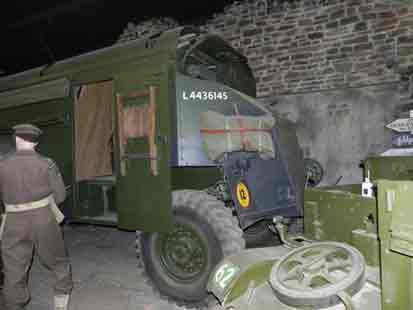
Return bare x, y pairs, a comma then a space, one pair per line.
27, 176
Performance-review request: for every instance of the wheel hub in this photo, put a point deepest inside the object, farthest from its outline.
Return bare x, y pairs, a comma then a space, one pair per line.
182, 253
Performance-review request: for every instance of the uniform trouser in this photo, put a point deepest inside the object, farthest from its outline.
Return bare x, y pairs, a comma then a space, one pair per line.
25, 232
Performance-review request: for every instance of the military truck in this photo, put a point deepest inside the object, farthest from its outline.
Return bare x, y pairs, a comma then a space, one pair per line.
163, 136
355, 253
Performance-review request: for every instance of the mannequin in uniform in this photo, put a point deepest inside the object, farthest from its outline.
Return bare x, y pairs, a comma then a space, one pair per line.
30, 186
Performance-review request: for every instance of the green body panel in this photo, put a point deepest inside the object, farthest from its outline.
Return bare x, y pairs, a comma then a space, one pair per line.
368, 244
390, 167
51, 90
351, 188
194, 177
396, 268
356, 215
253, 270
96, 66
253, 277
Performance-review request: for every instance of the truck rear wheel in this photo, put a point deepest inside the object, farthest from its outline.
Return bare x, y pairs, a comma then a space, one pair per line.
178, 264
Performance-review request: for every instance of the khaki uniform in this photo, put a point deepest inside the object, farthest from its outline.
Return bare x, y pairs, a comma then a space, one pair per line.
29, 179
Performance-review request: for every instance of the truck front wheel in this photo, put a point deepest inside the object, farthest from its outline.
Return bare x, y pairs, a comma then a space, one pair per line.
178, 264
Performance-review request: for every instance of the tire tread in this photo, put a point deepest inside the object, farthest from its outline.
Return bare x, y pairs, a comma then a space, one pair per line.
224, 224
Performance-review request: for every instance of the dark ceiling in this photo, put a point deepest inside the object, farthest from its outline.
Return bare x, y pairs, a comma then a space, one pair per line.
35, 32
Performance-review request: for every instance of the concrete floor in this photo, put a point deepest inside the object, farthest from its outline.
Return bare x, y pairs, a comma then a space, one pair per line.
105, 273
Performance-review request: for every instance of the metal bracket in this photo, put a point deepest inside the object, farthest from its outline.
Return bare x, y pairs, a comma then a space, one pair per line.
139, 156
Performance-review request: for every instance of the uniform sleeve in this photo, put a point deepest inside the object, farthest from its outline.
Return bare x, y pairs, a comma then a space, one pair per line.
56, 182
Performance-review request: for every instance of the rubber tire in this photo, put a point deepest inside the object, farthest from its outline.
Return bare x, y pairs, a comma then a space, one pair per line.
259, 235
217, 227
320, 298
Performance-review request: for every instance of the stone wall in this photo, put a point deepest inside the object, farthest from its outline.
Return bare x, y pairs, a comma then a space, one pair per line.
329, 67
146, 28
341, 127
306, 45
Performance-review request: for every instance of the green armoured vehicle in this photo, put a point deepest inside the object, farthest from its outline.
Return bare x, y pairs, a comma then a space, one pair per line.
163, 136
356, 251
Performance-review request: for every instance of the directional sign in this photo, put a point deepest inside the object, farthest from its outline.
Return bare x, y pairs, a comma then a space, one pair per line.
402, 139
402, 124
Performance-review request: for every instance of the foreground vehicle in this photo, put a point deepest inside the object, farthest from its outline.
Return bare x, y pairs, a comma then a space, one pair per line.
163, 136
356, 252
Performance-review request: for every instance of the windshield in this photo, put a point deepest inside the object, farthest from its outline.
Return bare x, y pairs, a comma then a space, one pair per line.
211, 58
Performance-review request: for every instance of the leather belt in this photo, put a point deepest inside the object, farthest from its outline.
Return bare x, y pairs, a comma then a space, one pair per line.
29, 205
48, 201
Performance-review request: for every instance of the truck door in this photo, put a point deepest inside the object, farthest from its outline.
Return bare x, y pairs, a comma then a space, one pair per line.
142, 105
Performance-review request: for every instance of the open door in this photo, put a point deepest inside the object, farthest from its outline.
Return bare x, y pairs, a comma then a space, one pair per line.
143, 127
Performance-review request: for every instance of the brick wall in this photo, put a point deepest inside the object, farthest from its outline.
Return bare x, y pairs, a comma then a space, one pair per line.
316, 45
146, 28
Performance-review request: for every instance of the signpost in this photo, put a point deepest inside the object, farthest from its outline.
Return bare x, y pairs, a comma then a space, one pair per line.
402, 140
402, 124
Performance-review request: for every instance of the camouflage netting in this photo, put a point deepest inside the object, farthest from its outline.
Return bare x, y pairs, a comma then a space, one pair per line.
146, 28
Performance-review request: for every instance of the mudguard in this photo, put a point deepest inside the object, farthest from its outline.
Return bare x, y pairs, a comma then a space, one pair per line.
243, 281
233, 276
